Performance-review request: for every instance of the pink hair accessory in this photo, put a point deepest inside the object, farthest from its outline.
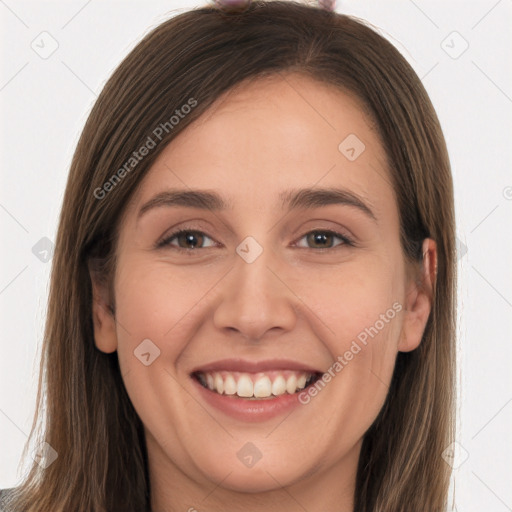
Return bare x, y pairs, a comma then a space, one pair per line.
236, 5
328, 5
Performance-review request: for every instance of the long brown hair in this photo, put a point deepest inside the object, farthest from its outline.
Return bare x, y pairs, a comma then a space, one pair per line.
83, 410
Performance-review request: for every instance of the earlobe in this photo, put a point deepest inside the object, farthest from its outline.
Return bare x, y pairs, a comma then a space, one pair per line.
418, 300
105, 337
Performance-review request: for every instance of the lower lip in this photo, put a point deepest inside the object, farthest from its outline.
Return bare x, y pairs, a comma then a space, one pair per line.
249, 410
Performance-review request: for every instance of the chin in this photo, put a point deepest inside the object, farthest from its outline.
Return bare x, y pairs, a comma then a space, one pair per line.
257, 479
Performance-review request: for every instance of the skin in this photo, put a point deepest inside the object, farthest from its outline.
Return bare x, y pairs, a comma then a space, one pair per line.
297, 300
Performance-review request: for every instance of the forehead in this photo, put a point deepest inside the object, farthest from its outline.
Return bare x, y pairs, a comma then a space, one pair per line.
272, 134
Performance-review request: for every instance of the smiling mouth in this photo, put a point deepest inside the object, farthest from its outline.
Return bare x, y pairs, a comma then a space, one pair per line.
256, 386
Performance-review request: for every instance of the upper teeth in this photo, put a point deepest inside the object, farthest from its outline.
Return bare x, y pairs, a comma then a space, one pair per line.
258, 385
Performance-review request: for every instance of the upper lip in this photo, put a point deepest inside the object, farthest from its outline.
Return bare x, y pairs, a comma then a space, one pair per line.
244, 365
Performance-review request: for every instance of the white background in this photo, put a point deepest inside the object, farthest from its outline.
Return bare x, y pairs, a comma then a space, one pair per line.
44, 104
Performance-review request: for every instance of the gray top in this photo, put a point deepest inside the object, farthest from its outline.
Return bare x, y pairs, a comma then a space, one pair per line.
4, 494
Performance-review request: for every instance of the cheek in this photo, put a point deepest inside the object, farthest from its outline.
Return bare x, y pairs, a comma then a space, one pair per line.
156, 303
360, 307
162, 306
354, 298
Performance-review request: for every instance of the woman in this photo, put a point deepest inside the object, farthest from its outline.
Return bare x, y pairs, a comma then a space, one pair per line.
252, 301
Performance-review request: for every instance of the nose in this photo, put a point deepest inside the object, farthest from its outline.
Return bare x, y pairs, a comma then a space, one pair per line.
255, 300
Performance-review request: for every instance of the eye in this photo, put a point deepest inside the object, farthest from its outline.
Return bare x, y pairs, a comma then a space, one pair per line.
187, 239
323, 239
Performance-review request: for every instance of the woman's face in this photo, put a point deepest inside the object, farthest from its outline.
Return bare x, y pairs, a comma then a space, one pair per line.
293, 270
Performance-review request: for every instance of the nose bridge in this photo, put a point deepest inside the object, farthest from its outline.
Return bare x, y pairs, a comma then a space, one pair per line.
254, 300
253, 276
253, 259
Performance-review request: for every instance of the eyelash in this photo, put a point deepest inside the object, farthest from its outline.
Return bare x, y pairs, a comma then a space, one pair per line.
167, 240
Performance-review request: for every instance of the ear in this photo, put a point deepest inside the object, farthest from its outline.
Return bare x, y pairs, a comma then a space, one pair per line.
418, 301
105, 337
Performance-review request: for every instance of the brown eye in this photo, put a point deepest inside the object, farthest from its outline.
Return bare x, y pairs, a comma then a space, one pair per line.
324, 239
187, 239
320, 239
190, 239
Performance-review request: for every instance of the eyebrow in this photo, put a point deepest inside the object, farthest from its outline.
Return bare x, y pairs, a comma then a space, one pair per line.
291, 199
318, 197
202, 199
